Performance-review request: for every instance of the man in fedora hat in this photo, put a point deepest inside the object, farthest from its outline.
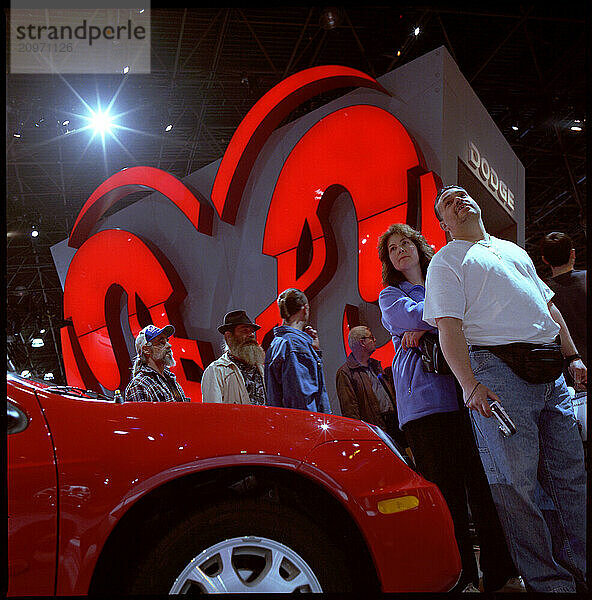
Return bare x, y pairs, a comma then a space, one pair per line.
152, 381
237, 377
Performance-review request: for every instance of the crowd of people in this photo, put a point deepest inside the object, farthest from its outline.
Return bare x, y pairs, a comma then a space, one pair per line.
509, 339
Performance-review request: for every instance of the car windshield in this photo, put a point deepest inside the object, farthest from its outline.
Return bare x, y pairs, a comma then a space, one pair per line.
65, 390
34, 380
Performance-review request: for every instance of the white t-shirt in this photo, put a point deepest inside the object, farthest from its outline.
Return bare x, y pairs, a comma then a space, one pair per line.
494, 289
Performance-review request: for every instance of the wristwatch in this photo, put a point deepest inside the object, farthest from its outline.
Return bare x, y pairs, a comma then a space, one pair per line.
569, 359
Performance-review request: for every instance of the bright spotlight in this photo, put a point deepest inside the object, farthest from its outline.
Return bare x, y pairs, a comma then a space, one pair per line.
34, 233
168, 127
416, 31
101, 122
37, 343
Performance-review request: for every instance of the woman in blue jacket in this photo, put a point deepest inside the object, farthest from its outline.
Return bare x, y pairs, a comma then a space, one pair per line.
293, 364
435, 424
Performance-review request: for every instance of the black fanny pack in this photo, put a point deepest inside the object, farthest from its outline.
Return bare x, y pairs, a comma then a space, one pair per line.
531, 362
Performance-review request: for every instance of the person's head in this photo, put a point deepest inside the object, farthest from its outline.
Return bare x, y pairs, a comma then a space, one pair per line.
239, 337
361, 340
397, 241
455, 208
557, 249
153, 348
293, 305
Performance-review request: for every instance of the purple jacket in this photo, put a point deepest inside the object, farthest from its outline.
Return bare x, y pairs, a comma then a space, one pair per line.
418, 393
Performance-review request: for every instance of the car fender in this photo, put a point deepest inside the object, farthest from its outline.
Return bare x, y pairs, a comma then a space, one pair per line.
134, 448
365, 474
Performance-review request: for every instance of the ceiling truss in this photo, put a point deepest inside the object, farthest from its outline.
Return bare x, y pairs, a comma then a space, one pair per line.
210, 65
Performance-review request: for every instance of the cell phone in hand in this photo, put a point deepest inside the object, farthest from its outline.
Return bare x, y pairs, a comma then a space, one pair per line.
506, 424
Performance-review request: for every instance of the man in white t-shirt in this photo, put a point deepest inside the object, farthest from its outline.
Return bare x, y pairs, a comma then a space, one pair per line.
483, 293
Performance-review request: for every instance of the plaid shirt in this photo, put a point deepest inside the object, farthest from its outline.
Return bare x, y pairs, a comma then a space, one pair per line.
150, 386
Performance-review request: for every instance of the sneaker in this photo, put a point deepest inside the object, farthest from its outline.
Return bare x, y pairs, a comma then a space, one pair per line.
470, 588
514, 584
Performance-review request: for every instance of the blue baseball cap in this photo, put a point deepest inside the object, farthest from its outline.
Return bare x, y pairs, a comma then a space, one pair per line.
151, 331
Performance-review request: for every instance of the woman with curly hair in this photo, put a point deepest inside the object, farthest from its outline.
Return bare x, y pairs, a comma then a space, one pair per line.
435, 424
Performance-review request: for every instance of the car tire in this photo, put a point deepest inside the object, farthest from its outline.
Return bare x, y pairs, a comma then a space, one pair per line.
247, 545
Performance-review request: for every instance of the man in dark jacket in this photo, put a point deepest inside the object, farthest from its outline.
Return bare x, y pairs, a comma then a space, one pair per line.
569, 285
363, 389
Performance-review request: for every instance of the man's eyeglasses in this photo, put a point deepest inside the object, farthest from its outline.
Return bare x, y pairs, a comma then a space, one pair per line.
162, 342
369, 337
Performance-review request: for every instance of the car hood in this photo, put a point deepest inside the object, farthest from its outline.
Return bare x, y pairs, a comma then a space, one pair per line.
159, 436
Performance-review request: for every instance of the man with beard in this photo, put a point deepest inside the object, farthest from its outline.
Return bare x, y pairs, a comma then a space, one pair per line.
237, 376
152, 381
293, 364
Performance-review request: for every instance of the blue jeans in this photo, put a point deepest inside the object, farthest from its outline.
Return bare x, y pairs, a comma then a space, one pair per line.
547, 449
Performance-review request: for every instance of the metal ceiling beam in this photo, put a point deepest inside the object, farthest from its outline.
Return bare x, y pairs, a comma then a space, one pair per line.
448, 42
201, 39
548, 151
298, 42
359, 43
510, 33
313, 59
18, 179
259, 43
566, 162
173, 78
215, 63
17, 271
574, 187
489, 14
19, 268
309, 43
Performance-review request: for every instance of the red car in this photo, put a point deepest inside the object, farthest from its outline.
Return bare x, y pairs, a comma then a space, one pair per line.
142, 498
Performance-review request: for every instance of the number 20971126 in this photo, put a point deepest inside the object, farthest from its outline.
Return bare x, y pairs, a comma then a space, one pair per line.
44, 47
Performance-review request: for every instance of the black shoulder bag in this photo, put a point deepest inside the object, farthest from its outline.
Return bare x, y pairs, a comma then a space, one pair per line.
432, 358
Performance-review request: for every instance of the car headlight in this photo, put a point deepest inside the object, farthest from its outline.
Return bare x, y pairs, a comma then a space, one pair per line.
392, 445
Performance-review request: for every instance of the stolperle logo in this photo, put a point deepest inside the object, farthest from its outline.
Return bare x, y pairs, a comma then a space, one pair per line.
105, 40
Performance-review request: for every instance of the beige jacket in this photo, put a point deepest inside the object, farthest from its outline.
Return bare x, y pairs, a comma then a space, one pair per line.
223, 382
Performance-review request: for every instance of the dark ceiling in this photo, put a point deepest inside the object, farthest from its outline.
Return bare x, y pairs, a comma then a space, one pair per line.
209, 66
